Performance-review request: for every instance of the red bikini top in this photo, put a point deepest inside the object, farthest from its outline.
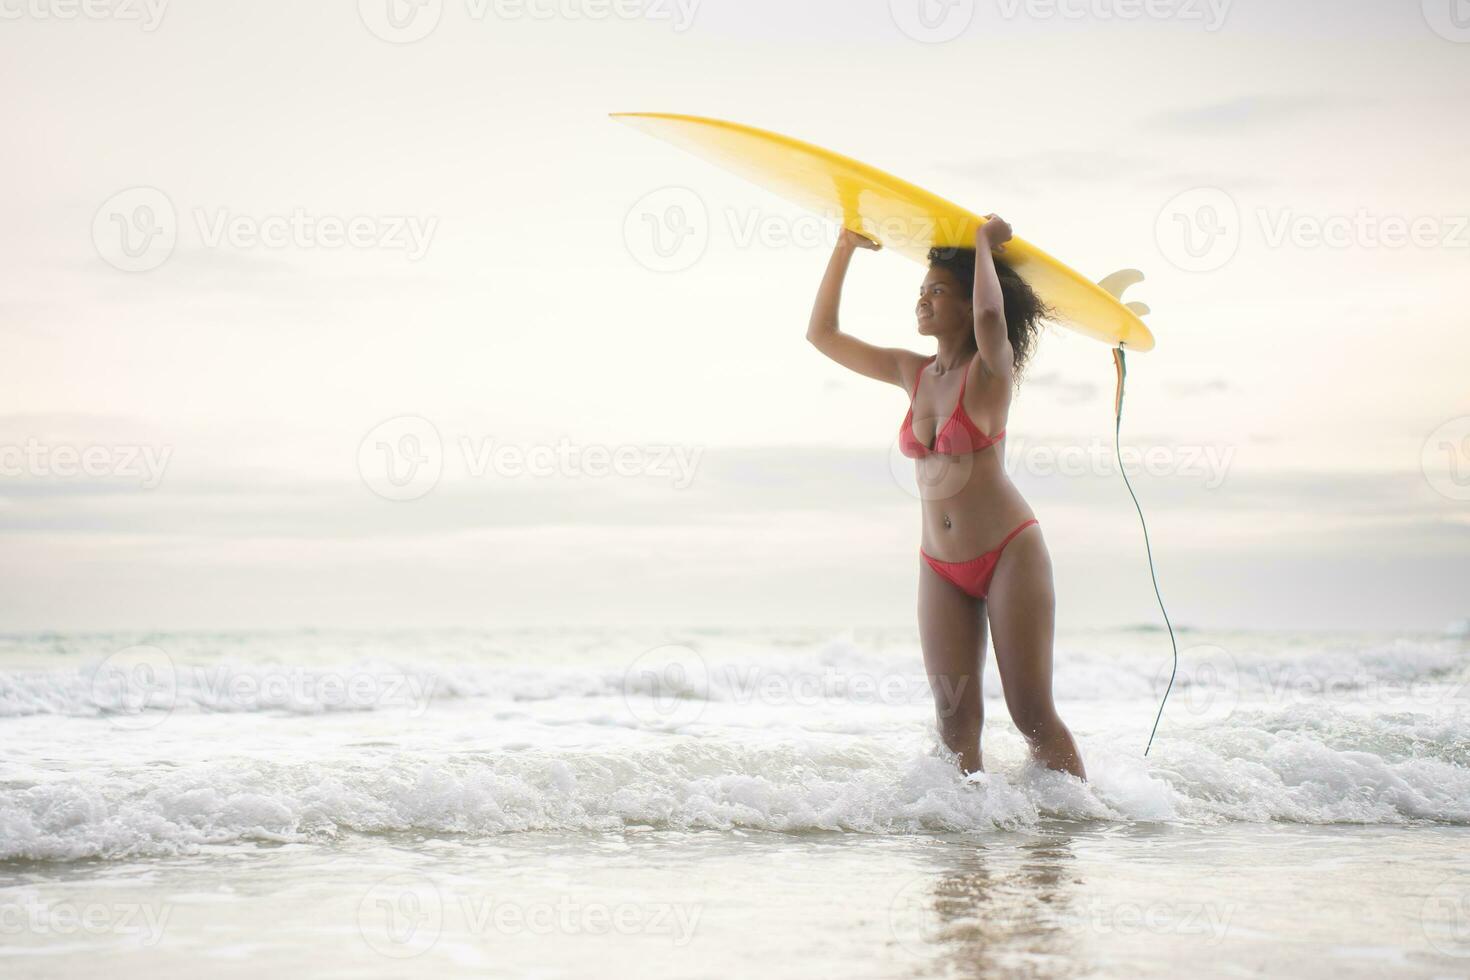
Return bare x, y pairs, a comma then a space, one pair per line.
948, 441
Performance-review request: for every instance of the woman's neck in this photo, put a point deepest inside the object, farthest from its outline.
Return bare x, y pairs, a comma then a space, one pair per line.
954, 352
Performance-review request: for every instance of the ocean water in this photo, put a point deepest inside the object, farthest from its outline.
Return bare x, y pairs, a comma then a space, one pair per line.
713, 803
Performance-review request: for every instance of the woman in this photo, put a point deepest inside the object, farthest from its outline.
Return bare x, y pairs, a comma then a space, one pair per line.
982, 555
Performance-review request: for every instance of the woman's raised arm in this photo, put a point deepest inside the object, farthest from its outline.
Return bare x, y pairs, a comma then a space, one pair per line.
824, 333
992, 339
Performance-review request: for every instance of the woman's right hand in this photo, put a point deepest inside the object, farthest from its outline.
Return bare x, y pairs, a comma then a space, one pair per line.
851, 239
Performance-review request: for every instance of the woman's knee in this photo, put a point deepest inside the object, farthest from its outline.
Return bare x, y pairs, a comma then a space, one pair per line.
1037, 722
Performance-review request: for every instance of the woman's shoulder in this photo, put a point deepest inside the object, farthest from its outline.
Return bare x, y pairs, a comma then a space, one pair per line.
911, 365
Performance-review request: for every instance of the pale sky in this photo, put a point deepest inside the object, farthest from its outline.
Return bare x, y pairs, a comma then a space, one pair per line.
501, 291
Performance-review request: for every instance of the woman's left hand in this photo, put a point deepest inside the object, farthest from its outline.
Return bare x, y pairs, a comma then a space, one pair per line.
993, 235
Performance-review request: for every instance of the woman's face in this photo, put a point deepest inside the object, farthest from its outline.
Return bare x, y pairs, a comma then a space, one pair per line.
944, 306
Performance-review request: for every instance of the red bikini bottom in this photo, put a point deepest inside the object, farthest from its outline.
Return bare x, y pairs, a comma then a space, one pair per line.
973, 577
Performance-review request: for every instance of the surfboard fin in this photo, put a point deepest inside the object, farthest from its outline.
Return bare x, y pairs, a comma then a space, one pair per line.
1117, 284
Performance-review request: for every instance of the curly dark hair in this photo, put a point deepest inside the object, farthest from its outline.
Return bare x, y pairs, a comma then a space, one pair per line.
1025, 312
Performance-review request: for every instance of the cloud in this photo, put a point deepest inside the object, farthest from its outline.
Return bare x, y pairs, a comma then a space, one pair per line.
1035, 173
799, 533
1238, 113
1028, 172
861, 486
1194, 389
1068, 392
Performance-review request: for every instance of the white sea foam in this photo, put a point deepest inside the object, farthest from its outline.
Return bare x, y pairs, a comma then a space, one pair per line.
710, 735
1401, 672
1244, 773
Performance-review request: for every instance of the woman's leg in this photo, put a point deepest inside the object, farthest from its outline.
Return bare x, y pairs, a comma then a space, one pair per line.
1022, 605
952, 632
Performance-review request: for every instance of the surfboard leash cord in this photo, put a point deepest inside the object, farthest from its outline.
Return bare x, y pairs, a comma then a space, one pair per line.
1121, 364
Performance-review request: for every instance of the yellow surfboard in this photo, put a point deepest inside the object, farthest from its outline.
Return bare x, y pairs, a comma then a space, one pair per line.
900, 216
